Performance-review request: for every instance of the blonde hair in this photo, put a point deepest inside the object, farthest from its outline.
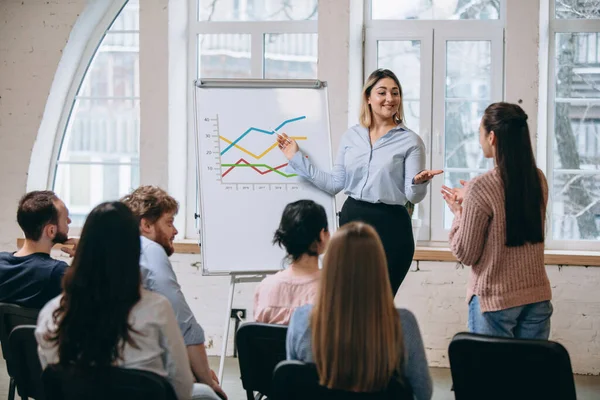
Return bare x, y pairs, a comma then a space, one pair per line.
150, 203
356, 333
366, 115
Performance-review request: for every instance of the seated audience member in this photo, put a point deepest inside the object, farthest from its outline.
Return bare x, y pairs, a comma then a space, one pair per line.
30, 277
156, 211
354, 322
304, 235
104, 317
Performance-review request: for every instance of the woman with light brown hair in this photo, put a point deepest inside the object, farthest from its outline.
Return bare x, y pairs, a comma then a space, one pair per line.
354, 334
380, 166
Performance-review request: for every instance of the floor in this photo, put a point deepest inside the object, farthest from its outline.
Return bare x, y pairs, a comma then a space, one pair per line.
588, 387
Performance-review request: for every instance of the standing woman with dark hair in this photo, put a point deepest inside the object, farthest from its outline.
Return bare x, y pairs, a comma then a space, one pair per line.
380, 166
498, 229
304, 234
104, 317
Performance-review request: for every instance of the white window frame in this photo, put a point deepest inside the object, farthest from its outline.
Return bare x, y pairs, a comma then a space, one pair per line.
546, 144
433, 35
257, 31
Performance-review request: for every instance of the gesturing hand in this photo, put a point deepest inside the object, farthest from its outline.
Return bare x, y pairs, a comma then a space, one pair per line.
288, 146
458, 192
426, 175
453, 203
69, 251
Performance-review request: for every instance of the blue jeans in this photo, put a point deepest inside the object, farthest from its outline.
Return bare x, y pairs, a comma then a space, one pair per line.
531, 321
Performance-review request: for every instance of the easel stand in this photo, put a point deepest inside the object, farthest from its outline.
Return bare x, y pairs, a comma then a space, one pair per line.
236, 277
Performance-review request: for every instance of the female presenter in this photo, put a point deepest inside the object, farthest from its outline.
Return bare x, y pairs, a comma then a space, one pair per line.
380, 166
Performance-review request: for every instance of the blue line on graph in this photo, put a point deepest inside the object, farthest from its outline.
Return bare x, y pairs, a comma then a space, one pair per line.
287, 121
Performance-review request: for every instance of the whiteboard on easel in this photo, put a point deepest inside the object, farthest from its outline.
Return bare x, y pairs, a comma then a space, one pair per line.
243, 182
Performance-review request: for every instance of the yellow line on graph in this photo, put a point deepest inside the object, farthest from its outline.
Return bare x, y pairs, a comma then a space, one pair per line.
261, 155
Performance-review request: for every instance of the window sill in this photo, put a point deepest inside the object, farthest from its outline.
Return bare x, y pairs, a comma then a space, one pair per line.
551, 257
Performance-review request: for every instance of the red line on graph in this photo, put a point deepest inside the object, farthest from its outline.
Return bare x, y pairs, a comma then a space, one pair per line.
241, 160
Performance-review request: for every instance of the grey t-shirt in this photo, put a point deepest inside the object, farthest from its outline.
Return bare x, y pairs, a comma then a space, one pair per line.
158, 276
415, 372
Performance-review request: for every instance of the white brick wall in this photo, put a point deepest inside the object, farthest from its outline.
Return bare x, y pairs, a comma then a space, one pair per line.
33, 34
435, 293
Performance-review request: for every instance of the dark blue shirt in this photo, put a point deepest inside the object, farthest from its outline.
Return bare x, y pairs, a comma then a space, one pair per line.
30, 281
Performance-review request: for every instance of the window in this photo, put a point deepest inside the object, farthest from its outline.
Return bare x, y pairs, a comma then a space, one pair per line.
435, 9
99, 154
448, 57
248, 39
274, 39
573, 152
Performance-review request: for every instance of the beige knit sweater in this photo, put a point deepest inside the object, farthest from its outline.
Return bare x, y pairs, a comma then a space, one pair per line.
502, 277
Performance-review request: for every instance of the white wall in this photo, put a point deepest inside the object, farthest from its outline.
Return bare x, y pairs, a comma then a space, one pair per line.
32, 36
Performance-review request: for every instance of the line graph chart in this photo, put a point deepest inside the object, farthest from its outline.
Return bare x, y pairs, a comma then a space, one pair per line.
266, 132
250, 157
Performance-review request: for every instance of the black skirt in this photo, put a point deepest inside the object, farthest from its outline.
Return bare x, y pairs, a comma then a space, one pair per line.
394, 226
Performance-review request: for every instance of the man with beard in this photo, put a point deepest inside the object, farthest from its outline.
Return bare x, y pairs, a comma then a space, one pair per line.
156, 211
30, 277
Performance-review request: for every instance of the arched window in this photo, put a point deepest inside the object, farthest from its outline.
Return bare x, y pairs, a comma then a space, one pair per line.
99, 155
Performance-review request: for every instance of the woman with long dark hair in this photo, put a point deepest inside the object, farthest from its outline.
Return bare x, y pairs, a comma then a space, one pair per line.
354, 334
380, 165
104, 318
498, 229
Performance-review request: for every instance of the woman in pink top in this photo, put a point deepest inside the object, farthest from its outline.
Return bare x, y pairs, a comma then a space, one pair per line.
498, 229
304, 234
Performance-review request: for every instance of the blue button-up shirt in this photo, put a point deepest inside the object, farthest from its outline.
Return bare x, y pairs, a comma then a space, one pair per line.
158, 276
381, 173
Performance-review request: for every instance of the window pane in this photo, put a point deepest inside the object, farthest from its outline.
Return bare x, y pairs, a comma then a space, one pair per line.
85, 182
257, 10
102, 127
467, 93
577, 135
224, 56
468, 65
435, 9
403, 57
99, 155
129, 18
575, 208
468, 88
100, 131
575, 212
462, 148
577, 9
576, 74
115, 71
291, 55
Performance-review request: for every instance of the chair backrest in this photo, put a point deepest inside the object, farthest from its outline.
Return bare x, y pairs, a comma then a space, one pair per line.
12, 316
505, 368
99, 383
295, 380
26, 367
260, 348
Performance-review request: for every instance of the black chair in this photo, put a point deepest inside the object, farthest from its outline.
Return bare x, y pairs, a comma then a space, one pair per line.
100, 383
26, 362
12, 316
504, 368
260, 348
295, 380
